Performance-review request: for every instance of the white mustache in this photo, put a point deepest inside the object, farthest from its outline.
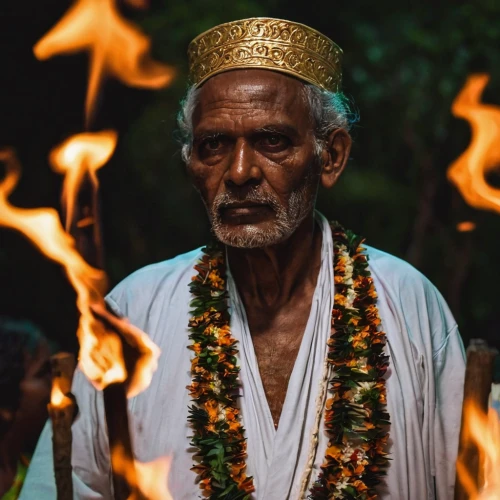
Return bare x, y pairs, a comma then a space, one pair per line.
224, 200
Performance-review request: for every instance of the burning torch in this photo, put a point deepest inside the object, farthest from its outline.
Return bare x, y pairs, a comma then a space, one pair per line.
114, 355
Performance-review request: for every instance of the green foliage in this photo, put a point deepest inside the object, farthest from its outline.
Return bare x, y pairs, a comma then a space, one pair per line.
403, 64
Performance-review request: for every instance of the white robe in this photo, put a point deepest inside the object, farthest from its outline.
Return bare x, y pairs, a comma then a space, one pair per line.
424, 389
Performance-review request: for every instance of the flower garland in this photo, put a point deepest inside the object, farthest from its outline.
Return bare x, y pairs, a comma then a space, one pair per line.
219, 435
355, 416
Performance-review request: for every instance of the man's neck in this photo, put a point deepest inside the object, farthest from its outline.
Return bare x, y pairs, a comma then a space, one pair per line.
270, 277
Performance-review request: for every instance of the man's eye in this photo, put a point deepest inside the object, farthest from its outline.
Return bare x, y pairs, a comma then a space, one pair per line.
274, 142
212, 144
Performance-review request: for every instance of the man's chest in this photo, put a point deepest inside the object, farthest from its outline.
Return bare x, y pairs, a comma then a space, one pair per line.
276, 347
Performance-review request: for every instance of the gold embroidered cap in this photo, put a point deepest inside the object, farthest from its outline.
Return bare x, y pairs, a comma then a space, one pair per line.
266, 43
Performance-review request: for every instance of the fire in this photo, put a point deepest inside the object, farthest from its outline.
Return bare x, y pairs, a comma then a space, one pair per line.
57, 397
146, 480
483, 154
101, 356
79, 155
484, 431
466, 226
138, 4
116, 47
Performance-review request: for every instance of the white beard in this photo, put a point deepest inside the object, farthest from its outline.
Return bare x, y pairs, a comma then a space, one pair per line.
288, 219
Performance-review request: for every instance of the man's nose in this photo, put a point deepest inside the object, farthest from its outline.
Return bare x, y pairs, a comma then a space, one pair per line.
242, 168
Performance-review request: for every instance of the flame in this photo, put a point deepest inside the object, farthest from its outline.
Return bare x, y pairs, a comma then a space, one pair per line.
115, 46
138, 4
484, 431
466, 226
483, 154
57, 398
146, 480
78, 155
101, 357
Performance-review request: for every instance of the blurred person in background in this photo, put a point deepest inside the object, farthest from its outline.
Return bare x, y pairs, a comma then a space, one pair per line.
25, 384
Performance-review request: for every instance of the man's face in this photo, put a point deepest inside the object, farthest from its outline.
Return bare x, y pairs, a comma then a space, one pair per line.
253, 159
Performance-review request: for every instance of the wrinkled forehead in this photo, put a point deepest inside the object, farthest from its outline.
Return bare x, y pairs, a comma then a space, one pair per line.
252, 89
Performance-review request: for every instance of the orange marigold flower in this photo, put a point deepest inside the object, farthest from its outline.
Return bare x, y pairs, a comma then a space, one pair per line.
224, 337
237, 468
359, 485
215, 280
234, 426
246, 484
334, 451
336, 315
196, 348
359, 344
341, 260
359, 469
210, 428
205, 484
212, 408
340, 299
231, 413
346, 471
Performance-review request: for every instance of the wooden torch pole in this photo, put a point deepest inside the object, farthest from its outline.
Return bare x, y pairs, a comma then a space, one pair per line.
115, 407
62, 410
85, 228
477, 387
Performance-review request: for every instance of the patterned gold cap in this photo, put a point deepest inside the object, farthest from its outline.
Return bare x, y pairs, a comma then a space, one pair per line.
266, 43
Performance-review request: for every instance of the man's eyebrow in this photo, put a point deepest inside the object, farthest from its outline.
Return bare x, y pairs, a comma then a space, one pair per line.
278, 128
273, 128
207, 134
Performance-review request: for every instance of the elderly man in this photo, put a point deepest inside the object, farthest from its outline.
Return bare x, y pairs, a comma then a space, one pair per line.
294, 367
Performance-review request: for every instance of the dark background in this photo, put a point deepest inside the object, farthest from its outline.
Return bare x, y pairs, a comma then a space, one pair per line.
404, 62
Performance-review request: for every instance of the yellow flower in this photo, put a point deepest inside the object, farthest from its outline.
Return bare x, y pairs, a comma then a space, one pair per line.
334, 451
340, 299
205, 484
215, 280
212, 408
359, 485
196, 347
354, 320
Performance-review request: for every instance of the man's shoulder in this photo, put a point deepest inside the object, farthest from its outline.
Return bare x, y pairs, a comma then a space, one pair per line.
396, 271
409, 294
162, 280
167, 269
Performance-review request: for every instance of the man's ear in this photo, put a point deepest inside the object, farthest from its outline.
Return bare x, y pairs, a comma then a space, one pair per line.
335, 156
